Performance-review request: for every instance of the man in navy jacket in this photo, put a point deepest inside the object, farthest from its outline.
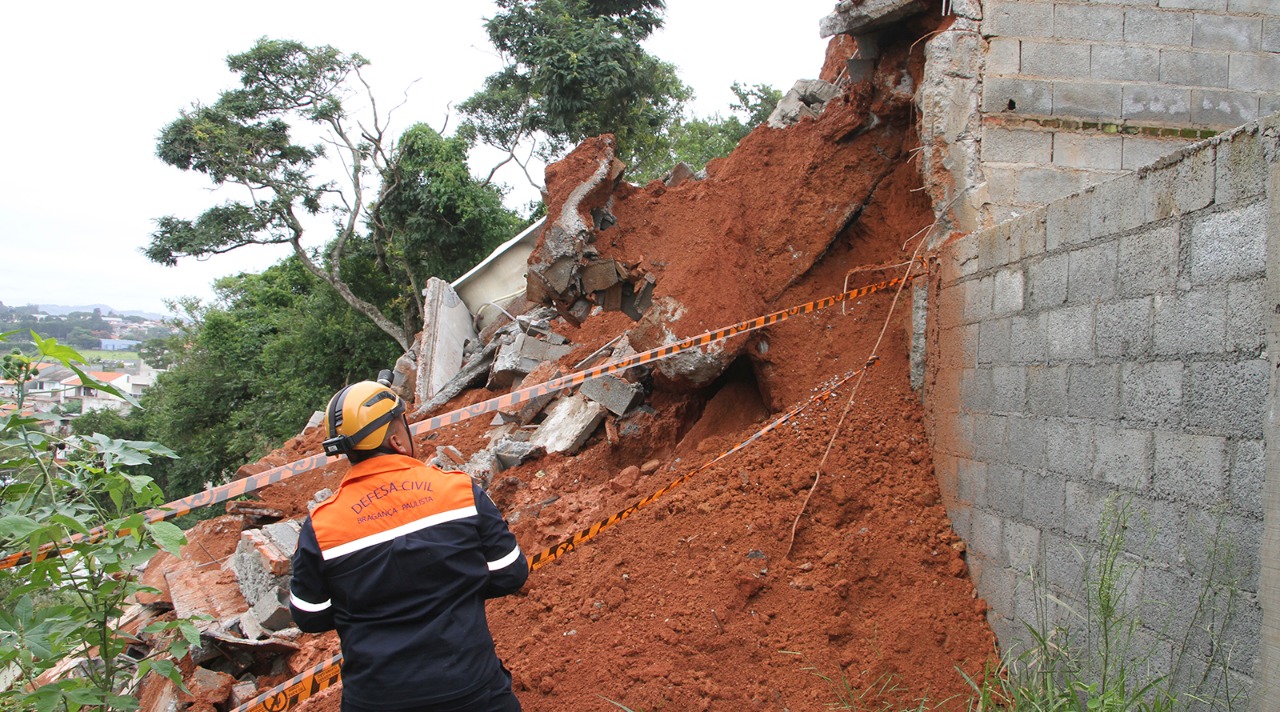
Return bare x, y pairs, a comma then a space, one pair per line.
400, 560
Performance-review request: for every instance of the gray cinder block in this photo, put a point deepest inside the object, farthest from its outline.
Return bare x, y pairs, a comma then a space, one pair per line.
1193, 68
1227, 32
1148, 261
1091, 273
1190, 467
1018, 19
1087, 100
1163, 104
1088, 22
1151, 393
1228, 245
1226, 398
1069, 448
1054, 59
1047, 390
1124, 456
1123, 329
1157, 26
1206, 309
1093, 391
1221, 108
1069, 333
1126, 63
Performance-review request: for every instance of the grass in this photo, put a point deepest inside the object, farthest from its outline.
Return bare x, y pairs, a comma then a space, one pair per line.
91, 355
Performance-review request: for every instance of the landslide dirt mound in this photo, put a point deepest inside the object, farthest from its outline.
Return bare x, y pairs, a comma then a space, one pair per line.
694, 602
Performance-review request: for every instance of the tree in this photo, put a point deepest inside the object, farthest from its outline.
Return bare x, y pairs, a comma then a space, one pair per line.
434, 218
575, 69
244, 140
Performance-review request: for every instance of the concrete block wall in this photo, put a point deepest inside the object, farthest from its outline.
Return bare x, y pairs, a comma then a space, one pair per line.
1078, 91
1113, 344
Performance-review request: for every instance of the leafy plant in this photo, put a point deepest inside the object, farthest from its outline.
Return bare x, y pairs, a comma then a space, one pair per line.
76, 502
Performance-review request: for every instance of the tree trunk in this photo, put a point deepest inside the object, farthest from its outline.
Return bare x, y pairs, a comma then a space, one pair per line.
349, 297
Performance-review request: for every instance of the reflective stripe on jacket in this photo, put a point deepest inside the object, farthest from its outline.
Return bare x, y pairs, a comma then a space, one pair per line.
400, 561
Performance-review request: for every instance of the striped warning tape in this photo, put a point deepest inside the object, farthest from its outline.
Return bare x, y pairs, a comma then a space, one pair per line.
256, 482
292, 692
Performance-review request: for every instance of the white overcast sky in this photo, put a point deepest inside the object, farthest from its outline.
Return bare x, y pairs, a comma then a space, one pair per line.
89, 85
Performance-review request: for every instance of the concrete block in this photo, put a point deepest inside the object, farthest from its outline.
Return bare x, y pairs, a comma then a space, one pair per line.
1223, 109
1085, 504
512, 453
1054, 59
1001, 145
1247, 476
570, 422
1125, 63
1087, 100
1156, 104
1007, 292
1226, 398
1123, 457
996, 247
1157, 27
1037, 186
1190, 467
989, 436
988, 532
1254, 72
1148, 261
1047, 390
1044, 499
1091, 273
1271, 34
260, 567
1087, 150
1250, 7
272, 612
613, 393
1228, 245
1069, 448
1021, 546
1268, 104
1154, 531
1122, 329
1240, 168
1190, 322
1142, 151
1213, 5
1026, 340
977, 392
1246, 317
447, 326
1017, 19
1193, 68
1017, 96
1209, 534
1024, 442
1088, 22
1027, 232
524, 412
971, 482
1112, 209
977, 298
1009, 389
1151, 393
1004, 490
1234, 33
1093, 391
1069, 333
1066, 224
1063, 564
1192, 181
1003, 56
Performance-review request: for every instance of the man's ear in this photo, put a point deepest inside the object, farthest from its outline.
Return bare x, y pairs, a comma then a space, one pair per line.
400, 440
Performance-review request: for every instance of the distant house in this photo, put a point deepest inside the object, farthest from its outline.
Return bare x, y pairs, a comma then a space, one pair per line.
92, 399
9, 388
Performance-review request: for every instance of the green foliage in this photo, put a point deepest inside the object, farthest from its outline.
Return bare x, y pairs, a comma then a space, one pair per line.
696, 141
69, 602
247, 372
575, 69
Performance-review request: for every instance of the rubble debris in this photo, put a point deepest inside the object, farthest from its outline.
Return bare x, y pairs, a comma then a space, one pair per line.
857, 17
524, 413
472, 372
680, 173
448, 327
272, 611
513, 453
613, 393
806, 99
255, 514
447, 458
207, 688
694, 368
570, 422
263, 560
404, 379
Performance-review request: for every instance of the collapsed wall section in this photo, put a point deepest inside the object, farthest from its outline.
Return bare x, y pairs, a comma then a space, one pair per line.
1113, 345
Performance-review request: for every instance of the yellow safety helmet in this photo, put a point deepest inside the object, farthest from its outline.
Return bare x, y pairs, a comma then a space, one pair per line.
358, 416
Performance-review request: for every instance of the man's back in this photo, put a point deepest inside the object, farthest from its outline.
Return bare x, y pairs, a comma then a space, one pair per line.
400, 561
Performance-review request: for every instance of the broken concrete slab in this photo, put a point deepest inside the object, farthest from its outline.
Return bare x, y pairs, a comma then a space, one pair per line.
520, 357
447, 325
613, 393
570, 422
472, 373
510, 452
254, 514
679, 174
806, 98
694, 368
861, 16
